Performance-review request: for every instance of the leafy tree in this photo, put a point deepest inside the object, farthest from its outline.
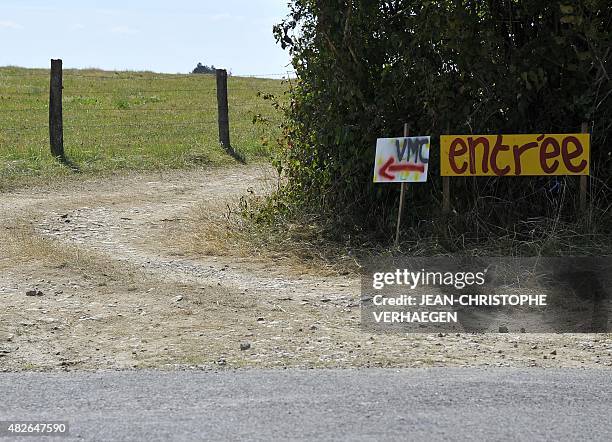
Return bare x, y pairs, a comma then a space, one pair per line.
365, 67
203, 69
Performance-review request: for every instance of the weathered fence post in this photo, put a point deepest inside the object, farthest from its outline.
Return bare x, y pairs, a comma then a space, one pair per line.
56, 124
223, 110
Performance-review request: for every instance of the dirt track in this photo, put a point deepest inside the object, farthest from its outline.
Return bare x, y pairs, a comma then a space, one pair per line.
122, 289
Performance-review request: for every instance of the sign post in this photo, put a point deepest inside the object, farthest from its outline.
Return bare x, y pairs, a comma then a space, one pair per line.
446, 191
400, 209
517, 155
401, 160
583, 179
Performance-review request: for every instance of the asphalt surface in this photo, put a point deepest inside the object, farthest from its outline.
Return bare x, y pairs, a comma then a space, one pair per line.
372, 404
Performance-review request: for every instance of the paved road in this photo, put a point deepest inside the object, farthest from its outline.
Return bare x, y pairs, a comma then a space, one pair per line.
411, 404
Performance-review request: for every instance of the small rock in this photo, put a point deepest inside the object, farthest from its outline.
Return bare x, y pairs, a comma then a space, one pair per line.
245, 346
440, 335
221, 361
522, 329
503, 329
89, 318
34, 293
178, 299
313, 327
554, 352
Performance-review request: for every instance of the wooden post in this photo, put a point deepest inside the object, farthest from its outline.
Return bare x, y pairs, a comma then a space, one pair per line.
56, 124
401, 201
445, 195
446, 190
223, 110
583, 178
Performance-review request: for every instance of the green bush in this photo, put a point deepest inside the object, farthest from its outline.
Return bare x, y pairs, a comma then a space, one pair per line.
499, 66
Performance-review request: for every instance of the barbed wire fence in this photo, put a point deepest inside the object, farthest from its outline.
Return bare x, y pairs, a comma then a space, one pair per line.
138, 115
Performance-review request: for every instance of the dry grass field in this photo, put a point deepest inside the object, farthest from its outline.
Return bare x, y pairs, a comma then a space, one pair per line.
117, 121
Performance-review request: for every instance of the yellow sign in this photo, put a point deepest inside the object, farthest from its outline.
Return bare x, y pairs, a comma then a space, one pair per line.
514, 155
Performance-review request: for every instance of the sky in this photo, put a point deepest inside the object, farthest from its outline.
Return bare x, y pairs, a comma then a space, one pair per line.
155, 35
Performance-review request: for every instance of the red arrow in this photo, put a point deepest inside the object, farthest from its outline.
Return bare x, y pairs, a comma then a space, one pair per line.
391, 166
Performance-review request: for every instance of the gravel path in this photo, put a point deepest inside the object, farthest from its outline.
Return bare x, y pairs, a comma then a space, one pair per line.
118, 291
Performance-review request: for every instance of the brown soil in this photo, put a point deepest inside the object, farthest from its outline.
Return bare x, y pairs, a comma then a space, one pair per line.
120, 286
